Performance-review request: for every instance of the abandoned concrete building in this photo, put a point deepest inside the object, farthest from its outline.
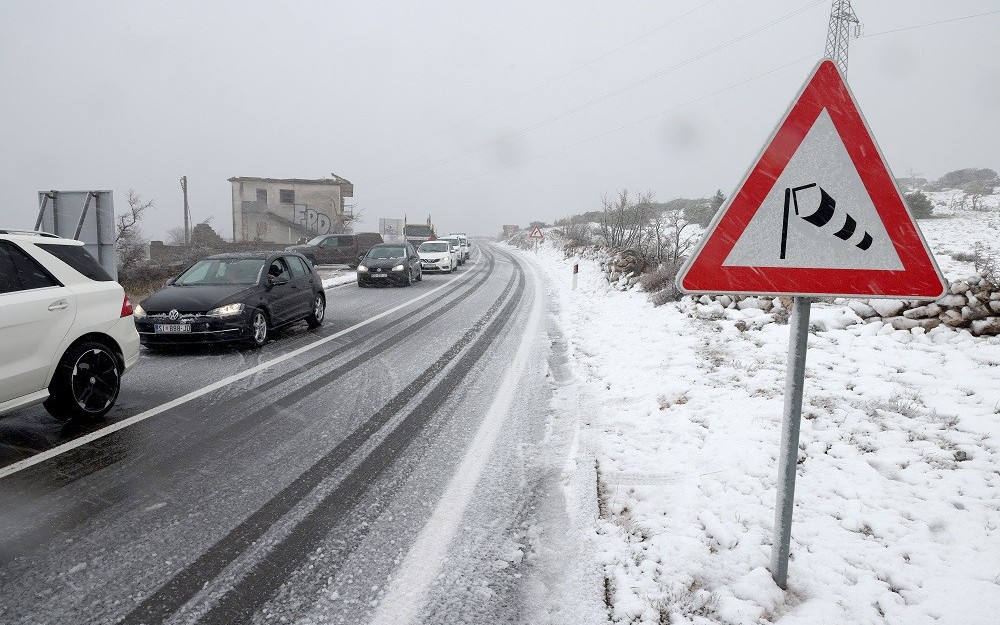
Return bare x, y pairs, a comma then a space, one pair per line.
286, 210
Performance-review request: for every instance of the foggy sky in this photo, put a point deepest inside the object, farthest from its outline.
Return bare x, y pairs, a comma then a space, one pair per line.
476, 113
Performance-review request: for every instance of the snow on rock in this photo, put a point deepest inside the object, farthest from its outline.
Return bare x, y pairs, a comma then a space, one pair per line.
896, 519
887, 307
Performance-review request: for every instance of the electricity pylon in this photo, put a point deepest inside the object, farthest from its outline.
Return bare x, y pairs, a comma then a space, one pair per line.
838, 34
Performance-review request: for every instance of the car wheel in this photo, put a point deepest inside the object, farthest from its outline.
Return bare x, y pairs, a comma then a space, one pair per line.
409, 278
361, 284
86, 382
420, 274
257, 328
315, 318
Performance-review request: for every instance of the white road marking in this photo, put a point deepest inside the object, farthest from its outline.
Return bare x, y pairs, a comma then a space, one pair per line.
183, 399
407, 592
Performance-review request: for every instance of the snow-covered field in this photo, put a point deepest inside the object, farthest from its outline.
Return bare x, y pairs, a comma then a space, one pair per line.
897, 515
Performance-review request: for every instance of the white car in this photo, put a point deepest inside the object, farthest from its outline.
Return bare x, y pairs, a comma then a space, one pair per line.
66, 327
465, 244
457, 243
438, 256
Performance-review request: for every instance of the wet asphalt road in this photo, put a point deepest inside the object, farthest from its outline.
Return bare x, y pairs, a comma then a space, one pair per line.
292, 494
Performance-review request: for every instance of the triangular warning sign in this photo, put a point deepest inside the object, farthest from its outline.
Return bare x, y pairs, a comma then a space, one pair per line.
817, 215
536, 233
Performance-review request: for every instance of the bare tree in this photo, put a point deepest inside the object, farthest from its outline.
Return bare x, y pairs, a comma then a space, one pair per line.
175, 236
129, 240
623, 221
349, 220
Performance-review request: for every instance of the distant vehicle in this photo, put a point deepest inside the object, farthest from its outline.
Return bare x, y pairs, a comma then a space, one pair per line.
415, 234
336, 249
233, 297
66, 327
465, 244
439, 255
390, 263
457, 243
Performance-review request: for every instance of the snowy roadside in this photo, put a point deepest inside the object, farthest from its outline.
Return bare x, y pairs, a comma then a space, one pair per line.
897, 513
337, 277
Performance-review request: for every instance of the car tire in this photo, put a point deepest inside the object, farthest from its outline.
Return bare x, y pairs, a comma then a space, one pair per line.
315, 318
420, 274
361, 284
409, 278
257, 328
86, 382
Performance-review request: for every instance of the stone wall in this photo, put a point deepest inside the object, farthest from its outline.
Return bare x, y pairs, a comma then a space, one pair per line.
972, 304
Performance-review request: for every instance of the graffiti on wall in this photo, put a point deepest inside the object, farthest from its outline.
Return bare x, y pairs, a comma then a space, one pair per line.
317, 222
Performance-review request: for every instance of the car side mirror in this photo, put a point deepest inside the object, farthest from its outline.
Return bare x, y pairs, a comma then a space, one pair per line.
361, 257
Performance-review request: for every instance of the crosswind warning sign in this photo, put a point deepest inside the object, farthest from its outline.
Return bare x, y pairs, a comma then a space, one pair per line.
817, 215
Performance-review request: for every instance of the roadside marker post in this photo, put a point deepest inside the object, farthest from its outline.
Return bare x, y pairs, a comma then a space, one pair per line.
576, 272
817, 215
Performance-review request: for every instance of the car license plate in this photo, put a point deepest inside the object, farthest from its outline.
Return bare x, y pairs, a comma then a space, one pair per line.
171, 327
380, 275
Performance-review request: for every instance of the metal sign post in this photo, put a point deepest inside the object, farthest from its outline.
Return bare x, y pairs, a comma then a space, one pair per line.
788, 455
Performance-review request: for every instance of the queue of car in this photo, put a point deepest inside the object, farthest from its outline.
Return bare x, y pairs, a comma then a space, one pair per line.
69, 331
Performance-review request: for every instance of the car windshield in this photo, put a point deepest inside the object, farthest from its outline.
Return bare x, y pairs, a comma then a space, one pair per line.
386, 252
454, 242
317, 240
433, 246
222, 271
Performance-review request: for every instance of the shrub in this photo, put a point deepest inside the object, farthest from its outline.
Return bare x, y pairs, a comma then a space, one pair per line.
920, 205
661, 284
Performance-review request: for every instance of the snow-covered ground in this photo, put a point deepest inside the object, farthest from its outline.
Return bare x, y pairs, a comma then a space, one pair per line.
897, 502
337, 277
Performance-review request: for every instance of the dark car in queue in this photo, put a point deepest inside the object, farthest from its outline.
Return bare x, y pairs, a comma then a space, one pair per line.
232, 297
390, 263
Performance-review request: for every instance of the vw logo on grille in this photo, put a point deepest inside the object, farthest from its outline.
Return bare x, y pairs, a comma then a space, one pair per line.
174, 315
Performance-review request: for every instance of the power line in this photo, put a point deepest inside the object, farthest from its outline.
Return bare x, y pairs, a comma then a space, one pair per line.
586, 105
954, 19
541, 86
814, 56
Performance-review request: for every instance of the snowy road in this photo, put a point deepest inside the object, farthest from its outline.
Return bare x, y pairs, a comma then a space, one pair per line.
295, 491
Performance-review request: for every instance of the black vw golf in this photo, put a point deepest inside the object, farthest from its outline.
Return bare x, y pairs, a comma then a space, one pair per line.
232, 297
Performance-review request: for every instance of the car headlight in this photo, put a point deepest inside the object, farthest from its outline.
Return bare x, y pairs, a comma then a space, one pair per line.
229, 310
398, 267
138, 311
362, 268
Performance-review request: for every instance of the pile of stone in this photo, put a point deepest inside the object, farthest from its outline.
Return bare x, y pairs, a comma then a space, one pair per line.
972, 304
623, 268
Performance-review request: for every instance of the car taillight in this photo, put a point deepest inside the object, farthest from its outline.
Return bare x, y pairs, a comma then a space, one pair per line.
126, 307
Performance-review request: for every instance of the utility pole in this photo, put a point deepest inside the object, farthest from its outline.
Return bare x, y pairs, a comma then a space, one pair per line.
843, 21
187, 212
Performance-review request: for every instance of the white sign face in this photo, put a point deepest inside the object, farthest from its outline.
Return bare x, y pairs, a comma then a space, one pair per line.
828, 219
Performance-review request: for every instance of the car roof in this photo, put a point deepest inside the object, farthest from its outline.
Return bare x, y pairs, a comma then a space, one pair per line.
33, 236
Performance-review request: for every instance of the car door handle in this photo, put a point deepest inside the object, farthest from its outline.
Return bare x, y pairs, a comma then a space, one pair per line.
60, 305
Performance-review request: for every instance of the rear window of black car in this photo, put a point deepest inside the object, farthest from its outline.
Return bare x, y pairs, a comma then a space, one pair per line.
77, 257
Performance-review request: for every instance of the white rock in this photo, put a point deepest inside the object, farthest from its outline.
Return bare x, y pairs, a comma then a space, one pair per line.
887, 307
988, 327
751, 302
952, 300
861, 309
959, 287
